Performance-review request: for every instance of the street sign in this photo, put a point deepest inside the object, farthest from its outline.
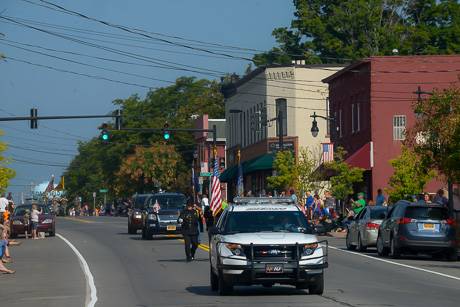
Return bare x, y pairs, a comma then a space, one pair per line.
205, 174
103, 190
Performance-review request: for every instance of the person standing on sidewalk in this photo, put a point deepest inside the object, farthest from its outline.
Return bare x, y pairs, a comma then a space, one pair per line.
3, 206
189, 219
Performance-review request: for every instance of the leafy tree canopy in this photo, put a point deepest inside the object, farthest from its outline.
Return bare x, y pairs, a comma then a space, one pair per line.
333, 31
436, 135
286, 171
100, 165
409, 178
6, 173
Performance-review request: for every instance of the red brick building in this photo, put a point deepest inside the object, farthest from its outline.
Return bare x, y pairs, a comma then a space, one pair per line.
371, 102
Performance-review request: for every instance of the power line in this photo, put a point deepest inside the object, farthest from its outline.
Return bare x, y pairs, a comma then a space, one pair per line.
137, 32
38, 163
121, 52
77, 73
41, 151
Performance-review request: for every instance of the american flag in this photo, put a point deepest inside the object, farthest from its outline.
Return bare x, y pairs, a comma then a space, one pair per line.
328, 152
216, 197
50, 186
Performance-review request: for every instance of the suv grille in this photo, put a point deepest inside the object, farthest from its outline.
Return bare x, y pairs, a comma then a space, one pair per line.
271, 252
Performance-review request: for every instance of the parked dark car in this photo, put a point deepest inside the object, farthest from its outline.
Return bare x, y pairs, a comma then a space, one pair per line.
135, 214
162, 212
417, 227
363, 229
20, 223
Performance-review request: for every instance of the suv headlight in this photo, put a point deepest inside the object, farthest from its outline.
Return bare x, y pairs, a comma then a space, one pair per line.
152, 217
236, 249
309, 249
47, 221
17, 222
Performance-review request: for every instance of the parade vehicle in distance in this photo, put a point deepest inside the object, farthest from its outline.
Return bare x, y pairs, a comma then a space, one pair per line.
20, 221
161, 213
135, 215
265, 241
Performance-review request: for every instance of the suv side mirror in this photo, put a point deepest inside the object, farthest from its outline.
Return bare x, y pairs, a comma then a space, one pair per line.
214, 231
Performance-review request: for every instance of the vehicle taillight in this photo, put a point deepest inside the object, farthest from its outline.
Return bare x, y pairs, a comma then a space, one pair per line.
371, 225
405, 220
450, 222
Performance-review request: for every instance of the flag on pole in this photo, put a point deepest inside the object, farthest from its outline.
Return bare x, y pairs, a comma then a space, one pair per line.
216, 196
61, 185
239, 183
328, 152
50, 186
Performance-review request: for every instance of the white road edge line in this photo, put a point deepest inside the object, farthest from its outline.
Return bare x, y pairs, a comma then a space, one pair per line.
88, 276
396, 263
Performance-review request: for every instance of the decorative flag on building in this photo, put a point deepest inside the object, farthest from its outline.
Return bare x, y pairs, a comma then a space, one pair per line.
216, 196
239, 183
61, 185
328, 152
50, 186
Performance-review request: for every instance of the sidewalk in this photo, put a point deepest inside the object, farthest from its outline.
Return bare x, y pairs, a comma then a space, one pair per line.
47, 274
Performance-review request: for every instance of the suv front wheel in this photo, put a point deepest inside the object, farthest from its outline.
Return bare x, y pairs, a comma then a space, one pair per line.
224, 287
214, 280
317, 286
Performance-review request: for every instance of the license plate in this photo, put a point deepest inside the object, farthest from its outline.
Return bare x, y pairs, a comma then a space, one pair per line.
171, 227
428, 226
274, 268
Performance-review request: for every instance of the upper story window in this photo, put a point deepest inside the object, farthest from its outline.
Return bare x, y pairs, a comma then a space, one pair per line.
399, 127
355, 118
281, 105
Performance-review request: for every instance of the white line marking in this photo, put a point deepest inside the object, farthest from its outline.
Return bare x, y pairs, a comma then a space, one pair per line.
88, 276
396, 263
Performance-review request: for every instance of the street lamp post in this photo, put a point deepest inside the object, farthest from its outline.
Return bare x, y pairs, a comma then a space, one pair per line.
314, 124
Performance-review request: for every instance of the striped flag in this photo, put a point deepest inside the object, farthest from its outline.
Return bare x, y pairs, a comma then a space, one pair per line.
328, 152
216, 196
50, 186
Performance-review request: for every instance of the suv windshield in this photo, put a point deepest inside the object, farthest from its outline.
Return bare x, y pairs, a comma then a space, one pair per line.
271, 221
170, 202
427, 213
21, 210
139, 202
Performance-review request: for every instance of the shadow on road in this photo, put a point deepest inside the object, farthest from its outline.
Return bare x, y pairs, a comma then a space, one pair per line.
249, 291
183, 260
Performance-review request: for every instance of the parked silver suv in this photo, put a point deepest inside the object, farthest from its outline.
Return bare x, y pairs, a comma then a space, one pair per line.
265, 241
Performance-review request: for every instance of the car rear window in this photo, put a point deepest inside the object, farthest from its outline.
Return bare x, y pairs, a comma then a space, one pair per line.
21, 210
378, 213
427, 213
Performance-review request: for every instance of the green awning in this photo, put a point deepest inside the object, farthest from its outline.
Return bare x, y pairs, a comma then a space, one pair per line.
262, 163
229, 174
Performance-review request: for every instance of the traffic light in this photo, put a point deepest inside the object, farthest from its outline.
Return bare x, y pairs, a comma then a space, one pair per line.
105, 136
33, 118
166, 132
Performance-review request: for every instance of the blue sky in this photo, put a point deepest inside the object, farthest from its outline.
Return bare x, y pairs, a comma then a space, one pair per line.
239, 23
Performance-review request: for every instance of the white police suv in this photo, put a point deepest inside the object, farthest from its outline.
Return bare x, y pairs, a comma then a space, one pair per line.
265, 241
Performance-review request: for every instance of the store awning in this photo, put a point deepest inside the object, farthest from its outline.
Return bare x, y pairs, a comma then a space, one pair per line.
361, 158
262, 163
229, 174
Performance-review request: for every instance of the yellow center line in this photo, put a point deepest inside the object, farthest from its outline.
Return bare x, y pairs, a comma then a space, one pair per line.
202, 246
78, 220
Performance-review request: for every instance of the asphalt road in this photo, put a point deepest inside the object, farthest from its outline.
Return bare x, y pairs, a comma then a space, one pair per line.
128, 271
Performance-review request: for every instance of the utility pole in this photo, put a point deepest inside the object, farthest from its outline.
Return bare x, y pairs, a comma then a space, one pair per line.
280, 130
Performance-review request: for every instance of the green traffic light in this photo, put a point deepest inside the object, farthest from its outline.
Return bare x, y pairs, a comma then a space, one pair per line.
166, 135
105, 137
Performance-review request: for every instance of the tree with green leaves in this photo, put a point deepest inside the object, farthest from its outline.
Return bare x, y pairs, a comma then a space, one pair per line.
435, 137
344, 176
286, 171
334, 31
309, 176
97, 164
6, 173
409, 178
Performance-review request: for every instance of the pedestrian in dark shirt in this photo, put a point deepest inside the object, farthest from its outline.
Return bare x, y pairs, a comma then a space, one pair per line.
189, 219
